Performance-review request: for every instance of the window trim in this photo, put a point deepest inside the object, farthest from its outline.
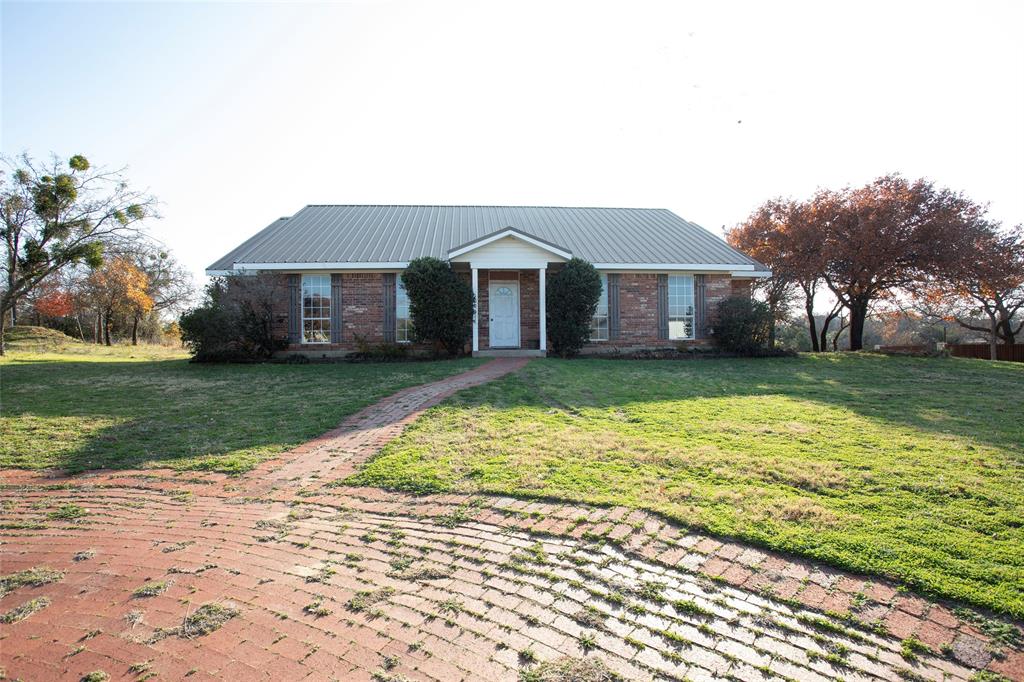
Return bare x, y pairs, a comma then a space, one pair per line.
302, 309
607, 313
692, 317
400, 291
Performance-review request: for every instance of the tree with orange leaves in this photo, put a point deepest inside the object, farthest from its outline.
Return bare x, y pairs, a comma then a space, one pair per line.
54, 304
782, 234
987, 284
890, 236
118, 289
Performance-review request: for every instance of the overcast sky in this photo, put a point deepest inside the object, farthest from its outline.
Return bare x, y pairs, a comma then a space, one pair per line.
236, 114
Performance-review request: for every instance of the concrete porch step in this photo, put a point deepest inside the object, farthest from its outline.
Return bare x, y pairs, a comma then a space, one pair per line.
509, 353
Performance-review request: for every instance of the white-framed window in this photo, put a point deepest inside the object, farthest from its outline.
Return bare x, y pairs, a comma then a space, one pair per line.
599, 324
316, 308
403, 320
680, 307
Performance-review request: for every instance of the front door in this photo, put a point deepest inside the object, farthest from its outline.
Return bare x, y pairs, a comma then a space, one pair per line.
503, 301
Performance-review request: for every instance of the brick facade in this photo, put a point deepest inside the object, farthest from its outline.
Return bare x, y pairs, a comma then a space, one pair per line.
362, 310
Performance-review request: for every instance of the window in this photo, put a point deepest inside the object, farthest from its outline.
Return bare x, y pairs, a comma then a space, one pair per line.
680, 306
316, 308
599, 325
403, 321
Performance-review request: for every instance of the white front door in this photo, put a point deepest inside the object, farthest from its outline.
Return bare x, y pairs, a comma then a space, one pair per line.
503, 301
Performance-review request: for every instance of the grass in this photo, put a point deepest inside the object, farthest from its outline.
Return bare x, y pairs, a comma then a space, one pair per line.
37, 576
79, 406
206, 619
150, 589
911, 468
25, 610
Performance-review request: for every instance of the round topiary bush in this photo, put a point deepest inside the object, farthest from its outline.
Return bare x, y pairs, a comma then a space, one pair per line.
440, 304
572, 296
743, 325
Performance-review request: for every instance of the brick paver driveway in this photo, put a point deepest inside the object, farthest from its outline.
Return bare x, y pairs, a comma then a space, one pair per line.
283, 574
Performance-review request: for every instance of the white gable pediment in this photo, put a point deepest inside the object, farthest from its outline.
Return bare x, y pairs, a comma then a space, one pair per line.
509, 248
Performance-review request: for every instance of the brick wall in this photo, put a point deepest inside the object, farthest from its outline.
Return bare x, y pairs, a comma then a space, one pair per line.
638, 309
363, 309
717, 288
529, 309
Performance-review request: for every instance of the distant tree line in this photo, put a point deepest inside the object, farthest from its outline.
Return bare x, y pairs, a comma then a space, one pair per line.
76, 256
892, 245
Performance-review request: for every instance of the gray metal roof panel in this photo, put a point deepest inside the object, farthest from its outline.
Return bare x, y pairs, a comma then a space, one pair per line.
396, 234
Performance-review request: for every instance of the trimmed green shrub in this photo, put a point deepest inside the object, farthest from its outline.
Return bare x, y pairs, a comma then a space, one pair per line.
440, 304
572, 296
743, 326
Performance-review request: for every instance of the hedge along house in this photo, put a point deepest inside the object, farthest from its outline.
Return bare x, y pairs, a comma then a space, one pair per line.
339, 272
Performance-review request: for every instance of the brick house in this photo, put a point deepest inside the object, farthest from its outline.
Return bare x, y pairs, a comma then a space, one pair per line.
339, 269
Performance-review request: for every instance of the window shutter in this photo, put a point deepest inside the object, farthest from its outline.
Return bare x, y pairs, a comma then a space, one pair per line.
663, 306
336, 307
613, 306
700, 312
389, 307
295, 308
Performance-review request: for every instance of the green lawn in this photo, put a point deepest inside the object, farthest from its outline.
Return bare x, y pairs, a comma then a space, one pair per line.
79, 406
911, 468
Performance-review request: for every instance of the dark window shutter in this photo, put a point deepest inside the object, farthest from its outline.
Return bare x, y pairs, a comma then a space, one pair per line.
613, 306
700, 313
663, 306
389, 307
336, 307
295, 308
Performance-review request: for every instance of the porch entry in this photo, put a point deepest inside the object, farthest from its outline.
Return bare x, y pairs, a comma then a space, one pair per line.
503, 302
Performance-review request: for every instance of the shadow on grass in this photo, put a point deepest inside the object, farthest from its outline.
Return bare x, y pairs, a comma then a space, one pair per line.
977, 400
86, 414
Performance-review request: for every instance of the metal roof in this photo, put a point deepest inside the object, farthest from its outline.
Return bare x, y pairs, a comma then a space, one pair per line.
357, 235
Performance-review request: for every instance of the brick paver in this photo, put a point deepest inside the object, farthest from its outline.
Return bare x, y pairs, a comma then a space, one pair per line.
327, 581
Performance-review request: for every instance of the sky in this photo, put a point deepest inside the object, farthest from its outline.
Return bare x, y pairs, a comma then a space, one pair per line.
236, 114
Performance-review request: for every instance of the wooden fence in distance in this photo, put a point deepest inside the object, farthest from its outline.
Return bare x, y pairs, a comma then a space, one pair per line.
1014, 353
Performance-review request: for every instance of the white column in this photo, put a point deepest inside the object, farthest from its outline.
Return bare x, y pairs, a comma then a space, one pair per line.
543, 309
476, 319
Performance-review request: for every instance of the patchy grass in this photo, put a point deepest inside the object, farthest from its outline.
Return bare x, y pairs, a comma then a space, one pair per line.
36, 576
150, 589
25, 610
86, 407
96, 676
568, 669
911, 468
316, 608
365, 599
68, 512
207, 618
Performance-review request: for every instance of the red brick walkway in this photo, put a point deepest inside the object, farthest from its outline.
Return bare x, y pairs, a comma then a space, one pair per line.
318, 581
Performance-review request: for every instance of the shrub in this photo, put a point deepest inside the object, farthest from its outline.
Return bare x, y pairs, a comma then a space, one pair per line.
743, 325
440, 304
572, 296
234, 322
379, 352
